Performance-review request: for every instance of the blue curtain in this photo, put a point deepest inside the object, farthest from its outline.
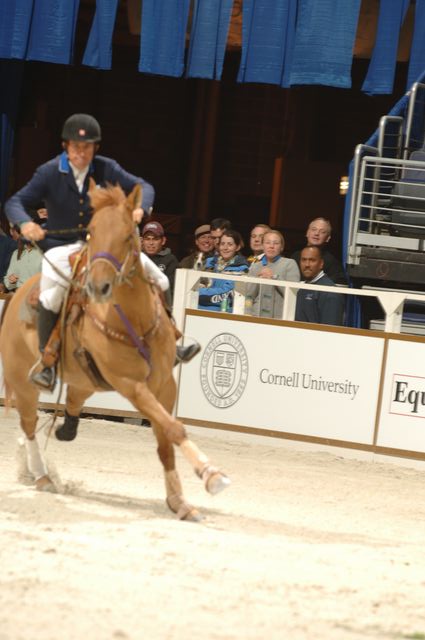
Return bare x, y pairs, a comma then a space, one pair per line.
417, 52
208, 38
98, 52
163, 35
324, 40
381, 71
268, 31
53, 30
11, 72
15, 23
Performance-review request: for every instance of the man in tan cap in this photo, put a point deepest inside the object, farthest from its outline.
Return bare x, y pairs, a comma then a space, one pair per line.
204, 248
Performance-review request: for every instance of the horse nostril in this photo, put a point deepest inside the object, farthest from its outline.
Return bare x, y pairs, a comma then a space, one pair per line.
105, 289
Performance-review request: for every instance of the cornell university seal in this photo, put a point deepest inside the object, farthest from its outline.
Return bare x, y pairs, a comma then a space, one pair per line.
224, 370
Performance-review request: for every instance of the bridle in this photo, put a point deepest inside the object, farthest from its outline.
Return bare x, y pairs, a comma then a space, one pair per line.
123, 271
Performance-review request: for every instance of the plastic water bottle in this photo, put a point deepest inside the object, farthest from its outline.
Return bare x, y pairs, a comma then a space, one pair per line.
223, 304
198, 263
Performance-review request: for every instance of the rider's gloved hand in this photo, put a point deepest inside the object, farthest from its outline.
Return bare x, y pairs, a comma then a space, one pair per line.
32, 231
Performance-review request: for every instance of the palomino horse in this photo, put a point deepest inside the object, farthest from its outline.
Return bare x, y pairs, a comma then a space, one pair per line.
129, 336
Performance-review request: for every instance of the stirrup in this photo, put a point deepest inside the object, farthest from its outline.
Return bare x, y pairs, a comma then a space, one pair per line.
44, 379
185, 354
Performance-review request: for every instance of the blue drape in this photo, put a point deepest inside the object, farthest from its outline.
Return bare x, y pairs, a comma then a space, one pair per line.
162, 38
11, 72
53, 30
417, 52
208, 38
324, 41
15, 23
268, 31
98, 52
381, 71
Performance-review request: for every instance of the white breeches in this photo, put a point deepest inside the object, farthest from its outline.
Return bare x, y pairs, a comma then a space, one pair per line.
53, 287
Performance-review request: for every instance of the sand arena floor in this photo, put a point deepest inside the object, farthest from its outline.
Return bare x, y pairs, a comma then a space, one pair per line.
304, 544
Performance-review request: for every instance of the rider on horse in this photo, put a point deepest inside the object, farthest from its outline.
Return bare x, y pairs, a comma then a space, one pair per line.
62, 184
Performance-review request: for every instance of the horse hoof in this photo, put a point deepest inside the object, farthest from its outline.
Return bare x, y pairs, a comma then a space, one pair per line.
65, 434
185, 512
192, 516
217, 482
45, 484
68, 430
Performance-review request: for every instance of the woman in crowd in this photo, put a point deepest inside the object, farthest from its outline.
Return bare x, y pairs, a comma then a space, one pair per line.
266, 301
24, 263
218, 295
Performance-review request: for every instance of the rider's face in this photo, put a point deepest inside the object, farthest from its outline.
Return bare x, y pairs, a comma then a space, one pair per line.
80, 154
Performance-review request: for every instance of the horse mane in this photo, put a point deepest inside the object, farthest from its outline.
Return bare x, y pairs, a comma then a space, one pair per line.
109, 196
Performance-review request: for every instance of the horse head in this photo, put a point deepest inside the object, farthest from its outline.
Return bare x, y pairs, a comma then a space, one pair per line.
113, 242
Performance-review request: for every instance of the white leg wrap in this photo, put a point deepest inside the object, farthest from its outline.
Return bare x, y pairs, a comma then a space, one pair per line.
35, 461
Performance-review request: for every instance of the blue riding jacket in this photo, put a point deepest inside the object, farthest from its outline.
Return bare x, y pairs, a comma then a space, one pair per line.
53, 184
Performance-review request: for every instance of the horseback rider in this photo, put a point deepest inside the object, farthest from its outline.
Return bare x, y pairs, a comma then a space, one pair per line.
62, 184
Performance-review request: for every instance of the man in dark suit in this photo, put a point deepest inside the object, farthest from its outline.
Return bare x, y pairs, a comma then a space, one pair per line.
323, 307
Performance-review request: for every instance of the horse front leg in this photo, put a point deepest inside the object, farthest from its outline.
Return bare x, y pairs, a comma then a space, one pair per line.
173, 432
75, 399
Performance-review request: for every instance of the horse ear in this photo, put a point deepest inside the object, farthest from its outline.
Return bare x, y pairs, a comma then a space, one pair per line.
134, 200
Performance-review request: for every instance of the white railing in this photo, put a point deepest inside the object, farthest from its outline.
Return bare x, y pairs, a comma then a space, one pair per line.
187, 284
376, 204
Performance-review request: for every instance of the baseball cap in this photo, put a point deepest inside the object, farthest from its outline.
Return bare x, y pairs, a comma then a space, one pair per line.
155, 228
204, 228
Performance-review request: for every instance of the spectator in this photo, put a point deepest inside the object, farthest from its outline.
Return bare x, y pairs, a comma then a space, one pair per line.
218, 225
7, 247
204, 249
256, 242
266, 301
153, 241
218, 295
322, 307
318, 234
25, 262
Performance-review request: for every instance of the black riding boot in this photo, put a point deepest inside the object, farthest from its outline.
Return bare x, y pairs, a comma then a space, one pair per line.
185, 354
46, 378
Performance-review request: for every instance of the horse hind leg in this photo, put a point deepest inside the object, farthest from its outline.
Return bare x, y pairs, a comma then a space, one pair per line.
26, 404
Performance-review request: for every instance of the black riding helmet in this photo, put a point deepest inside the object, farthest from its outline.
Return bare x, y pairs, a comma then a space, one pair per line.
81, 127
